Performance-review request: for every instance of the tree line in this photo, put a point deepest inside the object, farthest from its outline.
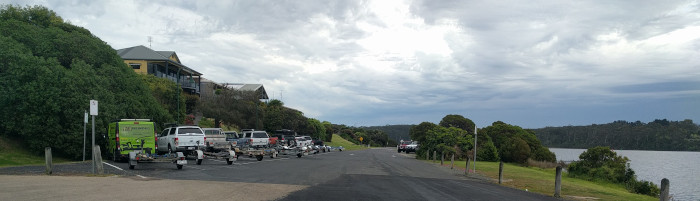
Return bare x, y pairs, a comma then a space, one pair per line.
660, 134
498, 142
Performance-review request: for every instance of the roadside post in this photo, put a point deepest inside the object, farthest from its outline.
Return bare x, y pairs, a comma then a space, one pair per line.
474, 149
98, 159
452, 164
500, 172
557, 183
442, 158
93, 113
85, 133
434, 156
663, 196
49, 160
466, 168
427, 155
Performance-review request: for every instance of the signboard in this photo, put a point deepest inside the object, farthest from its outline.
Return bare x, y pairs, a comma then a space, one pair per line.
93, 107
360, 139
86, 117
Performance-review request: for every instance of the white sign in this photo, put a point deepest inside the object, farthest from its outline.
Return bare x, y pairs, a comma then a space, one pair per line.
93, 107
86, 117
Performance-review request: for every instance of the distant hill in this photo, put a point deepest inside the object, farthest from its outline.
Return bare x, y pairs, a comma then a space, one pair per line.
395, 132
661, 135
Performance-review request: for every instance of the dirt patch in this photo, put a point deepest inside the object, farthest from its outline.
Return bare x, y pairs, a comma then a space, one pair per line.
132, 188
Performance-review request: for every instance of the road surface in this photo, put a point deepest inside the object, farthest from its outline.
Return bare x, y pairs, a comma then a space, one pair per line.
373, 174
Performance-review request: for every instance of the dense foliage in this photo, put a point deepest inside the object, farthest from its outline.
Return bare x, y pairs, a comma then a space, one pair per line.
396, 133
661, 135
516, 144
49, 70
601, 163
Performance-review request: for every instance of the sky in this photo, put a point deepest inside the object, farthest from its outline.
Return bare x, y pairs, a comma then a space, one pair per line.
365, 63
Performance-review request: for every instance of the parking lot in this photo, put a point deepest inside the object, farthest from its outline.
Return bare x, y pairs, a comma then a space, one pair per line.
373, 174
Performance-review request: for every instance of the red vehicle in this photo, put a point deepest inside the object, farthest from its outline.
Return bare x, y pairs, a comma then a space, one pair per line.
402, 145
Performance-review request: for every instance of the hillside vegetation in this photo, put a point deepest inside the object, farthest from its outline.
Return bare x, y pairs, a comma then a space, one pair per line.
50, 70
662, 135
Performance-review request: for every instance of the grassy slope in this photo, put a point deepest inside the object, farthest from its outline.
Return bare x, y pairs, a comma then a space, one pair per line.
339, 141
13, 154
542, 181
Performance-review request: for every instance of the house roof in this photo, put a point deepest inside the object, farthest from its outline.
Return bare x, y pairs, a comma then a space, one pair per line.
248, 87
143, 53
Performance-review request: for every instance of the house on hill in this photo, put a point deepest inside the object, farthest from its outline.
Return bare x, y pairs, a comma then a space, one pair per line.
164, 64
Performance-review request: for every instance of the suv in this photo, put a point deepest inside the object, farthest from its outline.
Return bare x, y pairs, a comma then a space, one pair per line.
256, 138
180, 138
413, 147
402, 146
215, 139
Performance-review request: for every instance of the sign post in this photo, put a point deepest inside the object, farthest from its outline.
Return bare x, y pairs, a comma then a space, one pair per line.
474, 148
85, 133
93, 113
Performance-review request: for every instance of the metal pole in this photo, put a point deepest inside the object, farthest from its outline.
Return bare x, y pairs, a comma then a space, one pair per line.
474, 148
84, 133
178, 96
93, 144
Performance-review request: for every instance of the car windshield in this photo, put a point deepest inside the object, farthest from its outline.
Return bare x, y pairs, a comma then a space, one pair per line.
231, 135
189, 130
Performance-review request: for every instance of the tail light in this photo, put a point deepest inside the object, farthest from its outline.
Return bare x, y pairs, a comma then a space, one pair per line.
117, 136
177, 141
155, 139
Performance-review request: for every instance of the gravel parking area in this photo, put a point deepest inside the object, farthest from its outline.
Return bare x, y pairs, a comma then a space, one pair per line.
25, 187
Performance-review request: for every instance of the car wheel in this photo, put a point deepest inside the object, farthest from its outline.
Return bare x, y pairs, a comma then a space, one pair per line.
199, 161
170, 149
179, 167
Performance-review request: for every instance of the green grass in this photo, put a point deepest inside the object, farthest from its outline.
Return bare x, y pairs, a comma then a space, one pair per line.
12, 153
339, 141
541, 181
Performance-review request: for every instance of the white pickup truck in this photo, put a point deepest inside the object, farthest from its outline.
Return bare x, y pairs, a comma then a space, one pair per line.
215, 139
187, 139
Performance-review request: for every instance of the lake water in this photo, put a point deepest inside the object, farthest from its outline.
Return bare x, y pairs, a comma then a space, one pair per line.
682, 169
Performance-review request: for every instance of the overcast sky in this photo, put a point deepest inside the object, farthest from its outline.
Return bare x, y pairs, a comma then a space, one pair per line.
363, 63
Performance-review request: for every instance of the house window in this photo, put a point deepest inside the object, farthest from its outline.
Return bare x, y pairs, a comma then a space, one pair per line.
135, 66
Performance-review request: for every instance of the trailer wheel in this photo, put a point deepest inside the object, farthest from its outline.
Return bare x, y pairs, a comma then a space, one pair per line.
179, 167
299, 155
259, 157
229, 161
199, 161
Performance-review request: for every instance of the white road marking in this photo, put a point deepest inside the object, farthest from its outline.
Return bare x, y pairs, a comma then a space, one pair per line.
113, 166
121, 169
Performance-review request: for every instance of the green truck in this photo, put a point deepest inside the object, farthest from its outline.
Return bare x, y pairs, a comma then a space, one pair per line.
127, 135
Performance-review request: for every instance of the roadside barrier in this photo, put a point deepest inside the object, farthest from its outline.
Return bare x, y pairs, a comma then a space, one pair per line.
49, 160
500, 172
557, 183
663, 196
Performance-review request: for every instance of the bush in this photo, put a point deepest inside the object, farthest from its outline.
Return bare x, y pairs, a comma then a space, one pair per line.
644, 188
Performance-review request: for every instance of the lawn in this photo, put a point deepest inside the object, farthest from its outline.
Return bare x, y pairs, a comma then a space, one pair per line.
541, 181
12, 153
339, 141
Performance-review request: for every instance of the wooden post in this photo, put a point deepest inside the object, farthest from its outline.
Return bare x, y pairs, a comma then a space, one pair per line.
49, 160
663, 196
427, 155
500, 172
466, 169
442, 159
97, 157
557, 183
434, 156
453, 162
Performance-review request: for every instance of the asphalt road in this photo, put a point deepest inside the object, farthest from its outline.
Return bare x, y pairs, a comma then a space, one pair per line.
373, 174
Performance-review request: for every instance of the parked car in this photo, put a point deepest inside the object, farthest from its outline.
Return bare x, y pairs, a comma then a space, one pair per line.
215, 139
255, 139
402, 145
413, 147
180, 138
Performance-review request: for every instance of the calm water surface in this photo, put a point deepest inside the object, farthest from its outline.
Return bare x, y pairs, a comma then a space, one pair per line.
682, 169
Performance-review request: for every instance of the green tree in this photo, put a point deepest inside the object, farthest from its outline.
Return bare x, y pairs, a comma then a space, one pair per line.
419, 132
458, 121
50, 70
507, 139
